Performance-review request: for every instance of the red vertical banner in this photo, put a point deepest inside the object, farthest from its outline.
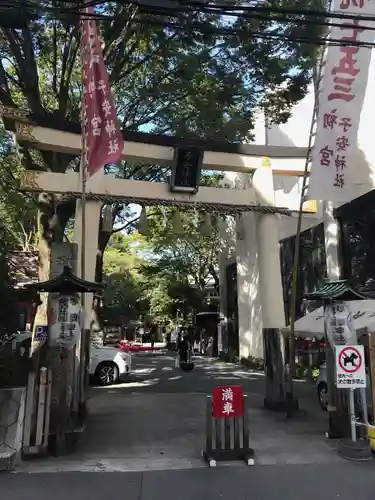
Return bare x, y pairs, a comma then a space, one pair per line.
102, 137
227, 401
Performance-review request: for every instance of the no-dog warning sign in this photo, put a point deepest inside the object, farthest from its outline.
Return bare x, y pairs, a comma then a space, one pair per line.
350, 366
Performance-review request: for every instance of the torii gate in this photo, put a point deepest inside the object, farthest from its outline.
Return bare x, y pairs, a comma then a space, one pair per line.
46, 134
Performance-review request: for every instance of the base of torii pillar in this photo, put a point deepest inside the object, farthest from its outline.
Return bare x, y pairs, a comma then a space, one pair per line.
272, 301
92, 223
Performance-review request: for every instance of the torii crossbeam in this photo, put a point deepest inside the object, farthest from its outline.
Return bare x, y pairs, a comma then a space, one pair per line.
110, 190
49, 134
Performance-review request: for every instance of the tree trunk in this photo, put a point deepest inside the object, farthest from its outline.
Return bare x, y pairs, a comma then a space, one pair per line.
51, 223
274, 354
48, 229
215, 277
97, 318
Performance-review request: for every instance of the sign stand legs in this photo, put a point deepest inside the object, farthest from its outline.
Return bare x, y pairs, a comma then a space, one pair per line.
227, 438
351, 374
352, 415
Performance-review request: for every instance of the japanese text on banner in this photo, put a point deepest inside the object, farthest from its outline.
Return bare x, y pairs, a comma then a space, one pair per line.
102, 138
341, 98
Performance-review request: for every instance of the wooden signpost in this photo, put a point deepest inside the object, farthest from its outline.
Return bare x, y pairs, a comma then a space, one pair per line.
227, 431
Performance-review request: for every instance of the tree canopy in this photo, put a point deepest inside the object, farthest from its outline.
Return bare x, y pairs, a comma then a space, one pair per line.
182, 81
124, 297
17, 228
191, 74
167, 271
178, 81
17, 211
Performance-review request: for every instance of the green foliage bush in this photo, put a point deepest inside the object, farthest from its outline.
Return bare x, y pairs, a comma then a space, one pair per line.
253, 363
8, 317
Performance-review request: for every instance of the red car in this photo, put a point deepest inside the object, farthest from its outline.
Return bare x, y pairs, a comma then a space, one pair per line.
127, 345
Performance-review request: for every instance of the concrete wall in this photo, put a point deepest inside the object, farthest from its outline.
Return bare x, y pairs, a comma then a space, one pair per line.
12, 414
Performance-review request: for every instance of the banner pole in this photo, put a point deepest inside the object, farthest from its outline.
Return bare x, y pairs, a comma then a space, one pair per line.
82, 345
293, 297
82, 270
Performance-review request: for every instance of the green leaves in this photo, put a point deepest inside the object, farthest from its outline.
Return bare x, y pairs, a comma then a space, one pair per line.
183, 262
190, 74
17, 211
17, 229
162, 272
123, 294
204, 79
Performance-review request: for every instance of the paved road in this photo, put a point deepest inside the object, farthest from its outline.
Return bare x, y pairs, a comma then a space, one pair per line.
343, 481
156, 421
144, 437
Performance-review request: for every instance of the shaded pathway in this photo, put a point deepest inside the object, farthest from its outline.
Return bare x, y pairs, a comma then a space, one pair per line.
156, 420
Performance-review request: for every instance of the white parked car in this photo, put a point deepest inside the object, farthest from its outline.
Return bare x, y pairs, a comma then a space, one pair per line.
108, 364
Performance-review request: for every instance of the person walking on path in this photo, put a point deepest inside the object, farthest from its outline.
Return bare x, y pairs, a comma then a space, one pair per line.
153, 333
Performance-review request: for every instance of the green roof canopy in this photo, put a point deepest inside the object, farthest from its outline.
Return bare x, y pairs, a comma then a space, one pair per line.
66, 283
336, 290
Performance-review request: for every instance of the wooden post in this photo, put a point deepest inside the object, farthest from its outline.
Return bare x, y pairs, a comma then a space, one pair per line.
209, 428
41, 406
29, 411
47, 409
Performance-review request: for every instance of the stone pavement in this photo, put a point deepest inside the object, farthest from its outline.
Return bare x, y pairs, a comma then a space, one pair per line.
341, 481
156, 421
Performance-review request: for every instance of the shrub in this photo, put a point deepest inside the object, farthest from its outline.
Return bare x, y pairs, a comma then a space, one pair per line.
253, 363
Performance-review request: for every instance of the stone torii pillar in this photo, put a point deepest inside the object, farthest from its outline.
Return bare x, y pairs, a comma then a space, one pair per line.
249, 304
89, 253
92, 225
271, 292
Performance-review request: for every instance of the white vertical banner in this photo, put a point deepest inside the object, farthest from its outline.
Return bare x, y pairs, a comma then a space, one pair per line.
341, 97
220, 336
339, 326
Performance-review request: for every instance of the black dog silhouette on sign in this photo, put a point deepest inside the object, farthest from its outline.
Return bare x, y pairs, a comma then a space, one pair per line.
351, 360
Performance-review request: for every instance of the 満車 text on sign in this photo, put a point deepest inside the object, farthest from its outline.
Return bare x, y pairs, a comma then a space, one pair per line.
227, 401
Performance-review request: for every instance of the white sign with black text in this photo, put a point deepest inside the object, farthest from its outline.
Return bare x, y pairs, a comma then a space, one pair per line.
339, 324
64, 320
350, 367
